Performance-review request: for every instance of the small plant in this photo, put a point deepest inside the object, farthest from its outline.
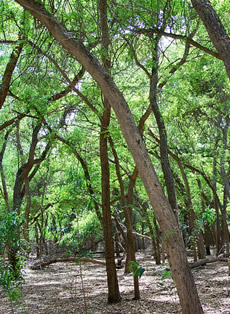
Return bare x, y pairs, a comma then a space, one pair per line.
168, 282
11, 276
136, 268
10, 281
167, 274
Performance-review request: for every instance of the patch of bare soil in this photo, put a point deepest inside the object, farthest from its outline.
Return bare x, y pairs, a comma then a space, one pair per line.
64, 288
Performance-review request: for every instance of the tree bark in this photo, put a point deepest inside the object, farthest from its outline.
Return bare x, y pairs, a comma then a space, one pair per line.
112, 281
3, 178
216, 205
24, 170
223, 172
11, 121
27, 210
163, 138
215, 29
176, 254
5, 85
226, 238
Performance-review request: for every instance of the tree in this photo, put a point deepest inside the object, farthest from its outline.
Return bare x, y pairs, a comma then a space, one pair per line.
174, 244
113, 289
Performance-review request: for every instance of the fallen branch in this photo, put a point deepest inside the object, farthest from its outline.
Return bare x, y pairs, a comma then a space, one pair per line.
141, 235
66, 260
208, 260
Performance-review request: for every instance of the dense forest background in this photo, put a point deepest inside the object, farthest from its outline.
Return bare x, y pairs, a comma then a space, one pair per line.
67, 174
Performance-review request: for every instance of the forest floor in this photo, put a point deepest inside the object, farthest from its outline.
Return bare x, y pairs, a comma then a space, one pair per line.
64, 288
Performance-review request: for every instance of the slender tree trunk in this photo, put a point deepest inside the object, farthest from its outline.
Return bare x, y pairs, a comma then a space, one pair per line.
126, 203
40, 239
207, 231
131, 243
176, 254
131, 250
163, 137
157, 241
153, 233
143, 239
224, 224
37, 240
200, 246
3, 178
113, 289
27, 211
112, 281
216, 206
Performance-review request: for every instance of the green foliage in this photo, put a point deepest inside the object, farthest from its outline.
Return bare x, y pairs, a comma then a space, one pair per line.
208, 216
9, 224
11, 277
136, 268
11, 281
166, 274
80, 230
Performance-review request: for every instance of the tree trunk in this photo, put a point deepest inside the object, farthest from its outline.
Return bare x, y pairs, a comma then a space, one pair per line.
112, 281
113, 289
5, 85
27, 211
37, 240
157, 241
215, 29
216, 206
131, 249
225, 225
176, 254
207, 232
131, 243
154, 232
143, 239
3, 178
200, 246
163, 136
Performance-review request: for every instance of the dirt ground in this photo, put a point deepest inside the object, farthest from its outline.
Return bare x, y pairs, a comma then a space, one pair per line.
65, 288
